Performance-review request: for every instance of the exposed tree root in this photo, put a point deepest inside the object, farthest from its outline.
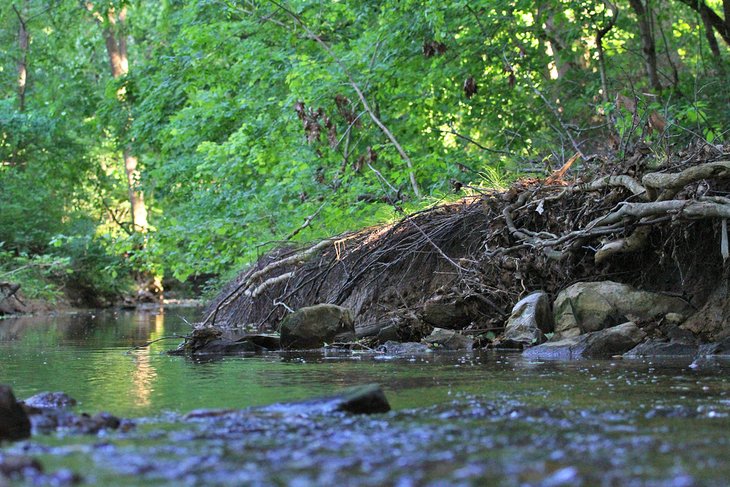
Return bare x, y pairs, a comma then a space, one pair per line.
481, 254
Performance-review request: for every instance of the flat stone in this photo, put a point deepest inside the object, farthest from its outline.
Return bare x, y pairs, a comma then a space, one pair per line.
405, 348
600, 344
224, 346
658, 348
365, 399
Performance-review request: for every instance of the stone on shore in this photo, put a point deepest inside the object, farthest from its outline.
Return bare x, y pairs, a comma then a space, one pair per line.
442, 339
313, 326
587, 307
531, 318
445, 312
599, 344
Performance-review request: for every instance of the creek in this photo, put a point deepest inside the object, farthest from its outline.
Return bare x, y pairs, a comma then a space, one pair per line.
457, 419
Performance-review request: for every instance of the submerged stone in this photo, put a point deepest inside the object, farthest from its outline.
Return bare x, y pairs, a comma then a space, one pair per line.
366, 399
313, 326
660, 348
225, 346
14, 422
600, 344
405, 348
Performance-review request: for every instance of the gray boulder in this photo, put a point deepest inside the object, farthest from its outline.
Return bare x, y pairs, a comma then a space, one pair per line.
531, 318
313, 326
586, 307
449, 340
14, 422
599, 344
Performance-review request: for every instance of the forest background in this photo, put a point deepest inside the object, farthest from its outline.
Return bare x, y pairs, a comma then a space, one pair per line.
160, 142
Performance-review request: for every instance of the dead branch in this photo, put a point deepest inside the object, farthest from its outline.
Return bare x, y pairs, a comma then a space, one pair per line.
709, 170
622, 181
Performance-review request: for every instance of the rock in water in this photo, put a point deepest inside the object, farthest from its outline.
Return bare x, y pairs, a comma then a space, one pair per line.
14, 422
599, 344
404, 349
592, 306
660, 348
313, 326
50, 400
531, 318
366, 399
449, 340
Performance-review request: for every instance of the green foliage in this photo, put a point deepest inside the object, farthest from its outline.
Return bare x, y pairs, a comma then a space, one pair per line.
245, 126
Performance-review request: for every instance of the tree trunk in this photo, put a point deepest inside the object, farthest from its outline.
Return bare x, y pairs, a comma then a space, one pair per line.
648, 45
600, 34
116, 48
721, 26
23, 42
710, 36
136, 197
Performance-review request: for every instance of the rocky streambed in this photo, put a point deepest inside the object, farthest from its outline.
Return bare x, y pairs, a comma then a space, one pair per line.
514, 422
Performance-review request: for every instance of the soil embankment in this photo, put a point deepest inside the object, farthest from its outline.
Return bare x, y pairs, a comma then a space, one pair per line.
463, 266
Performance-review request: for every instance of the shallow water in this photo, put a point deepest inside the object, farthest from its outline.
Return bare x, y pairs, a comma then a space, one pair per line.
469, 419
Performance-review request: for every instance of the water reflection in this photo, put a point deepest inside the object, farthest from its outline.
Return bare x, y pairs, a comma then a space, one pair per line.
90, 356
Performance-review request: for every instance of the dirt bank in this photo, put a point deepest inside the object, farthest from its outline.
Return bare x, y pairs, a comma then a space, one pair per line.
655, 226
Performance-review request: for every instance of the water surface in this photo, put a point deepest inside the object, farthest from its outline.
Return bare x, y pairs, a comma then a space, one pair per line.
458, 418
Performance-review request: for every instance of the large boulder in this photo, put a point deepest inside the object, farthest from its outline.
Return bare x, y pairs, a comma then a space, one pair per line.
313, 326
531, 318
14, 422
586, 307
445, 312
599, 344
449, 340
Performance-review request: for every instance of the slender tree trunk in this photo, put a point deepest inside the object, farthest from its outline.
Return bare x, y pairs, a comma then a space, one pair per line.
600, 34
136, 197
23, 43
648, 45
718, 23
113, 30
710, 36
